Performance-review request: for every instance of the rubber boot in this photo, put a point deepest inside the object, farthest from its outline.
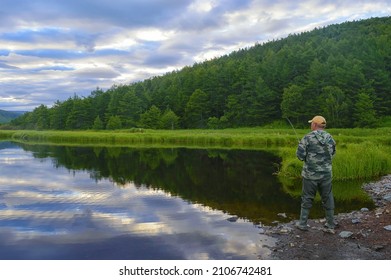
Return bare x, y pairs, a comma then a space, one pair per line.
302, 223
330, 222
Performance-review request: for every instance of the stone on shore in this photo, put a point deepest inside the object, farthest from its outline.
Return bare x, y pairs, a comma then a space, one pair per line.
345, 234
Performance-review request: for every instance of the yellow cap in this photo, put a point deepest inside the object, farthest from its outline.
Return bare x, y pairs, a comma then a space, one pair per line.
318, 120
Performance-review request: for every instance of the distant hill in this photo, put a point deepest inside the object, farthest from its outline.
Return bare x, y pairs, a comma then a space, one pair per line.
341, 71
7, 116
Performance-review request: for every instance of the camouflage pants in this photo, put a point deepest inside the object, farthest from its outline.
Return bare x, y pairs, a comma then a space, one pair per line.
324, 187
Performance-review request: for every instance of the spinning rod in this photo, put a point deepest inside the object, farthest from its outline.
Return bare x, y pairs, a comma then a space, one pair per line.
297, 136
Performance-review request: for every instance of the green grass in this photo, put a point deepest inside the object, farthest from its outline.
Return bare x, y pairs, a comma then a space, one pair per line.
352, 161
231, 138
362, 161
361, 153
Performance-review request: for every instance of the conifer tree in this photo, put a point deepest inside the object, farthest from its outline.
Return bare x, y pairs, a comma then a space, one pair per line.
364, 113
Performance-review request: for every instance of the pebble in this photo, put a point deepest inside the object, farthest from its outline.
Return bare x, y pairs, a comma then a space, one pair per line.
329, 230
345, 234
285, 230
356, 221
378, 213
283, 215
378, 247
364, 209
388, 227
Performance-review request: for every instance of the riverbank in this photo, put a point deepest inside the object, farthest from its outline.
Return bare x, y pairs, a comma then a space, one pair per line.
361, 234
250, 138
361, 153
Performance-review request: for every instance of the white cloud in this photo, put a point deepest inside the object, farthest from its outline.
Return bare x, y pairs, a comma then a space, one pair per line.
46, 44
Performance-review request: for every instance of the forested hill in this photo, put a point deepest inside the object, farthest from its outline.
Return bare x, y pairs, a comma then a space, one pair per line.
7, 116
341, 71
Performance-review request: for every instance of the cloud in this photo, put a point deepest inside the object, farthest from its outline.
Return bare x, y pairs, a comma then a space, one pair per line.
95, 73
50, 53
133, 14
6, 66
161, 60
45, 44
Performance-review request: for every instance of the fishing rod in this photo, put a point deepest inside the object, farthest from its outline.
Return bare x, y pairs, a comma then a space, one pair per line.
297, 136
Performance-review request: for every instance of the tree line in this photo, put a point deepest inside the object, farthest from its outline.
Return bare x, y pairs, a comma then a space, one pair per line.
342, 71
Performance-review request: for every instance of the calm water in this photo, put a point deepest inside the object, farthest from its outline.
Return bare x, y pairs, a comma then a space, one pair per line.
120, 203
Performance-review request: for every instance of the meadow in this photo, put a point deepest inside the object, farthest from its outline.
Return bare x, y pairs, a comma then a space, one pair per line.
361, 153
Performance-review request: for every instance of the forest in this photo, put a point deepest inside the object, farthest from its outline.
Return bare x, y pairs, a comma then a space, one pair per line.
341, 71
7, 116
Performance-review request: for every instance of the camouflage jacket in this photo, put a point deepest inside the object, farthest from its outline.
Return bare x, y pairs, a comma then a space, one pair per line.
316, 149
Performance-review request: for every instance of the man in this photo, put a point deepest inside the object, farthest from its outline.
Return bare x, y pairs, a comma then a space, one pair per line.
317, 149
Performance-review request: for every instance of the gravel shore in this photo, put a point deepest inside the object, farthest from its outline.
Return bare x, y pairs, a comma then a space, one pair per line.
362, 234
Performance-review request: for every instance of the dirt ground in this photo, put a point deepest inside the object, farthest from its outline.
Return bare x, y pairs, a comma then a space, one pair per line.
361, 235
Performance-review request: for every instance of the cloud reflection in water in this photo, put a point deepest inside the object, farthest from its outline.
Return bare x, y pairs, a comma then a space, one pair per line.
52, 213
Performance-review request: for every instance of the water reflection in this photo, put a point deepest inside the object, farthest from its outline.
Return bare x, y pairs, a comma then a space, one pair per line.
238, 182
61, 202
51, 208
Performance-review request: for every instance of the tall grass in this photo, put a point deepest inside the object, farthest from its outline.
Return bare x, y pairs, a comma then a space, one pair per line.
361, 153
234, 138
352, 161
361, 161
6, 134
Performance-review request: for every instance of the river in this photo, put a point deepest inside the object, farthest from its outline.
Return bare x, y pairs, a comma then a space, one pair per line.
69, 202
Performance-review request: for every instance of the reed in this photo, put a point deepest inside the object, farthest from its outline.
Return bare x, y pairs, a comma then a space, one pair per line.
6, 134
361, 161
233, 138
352, 161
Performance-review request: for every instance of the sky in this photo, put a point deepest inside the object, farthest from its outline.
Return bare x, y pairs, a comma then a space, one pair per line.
51, 50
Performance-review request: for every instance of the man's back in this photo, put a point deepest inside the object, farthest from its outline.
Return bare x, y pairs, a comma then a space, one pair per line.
316, 149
